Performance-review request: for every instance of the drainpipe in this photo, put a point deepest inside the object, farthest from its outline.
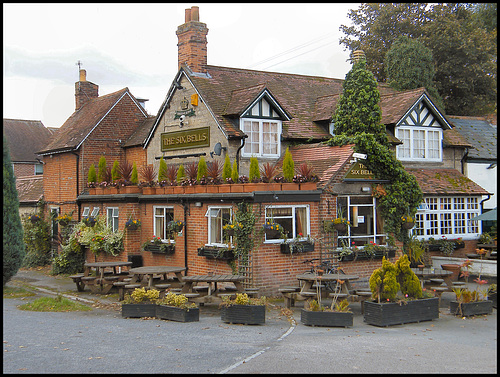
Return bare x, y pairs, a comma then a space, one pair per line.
186, 210
238, 153
462, 161
77, 181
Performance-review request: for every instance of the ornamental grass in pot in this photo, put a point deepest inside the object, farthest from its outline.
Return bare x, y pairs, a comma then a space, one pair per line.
140, 303
397, 296
244, 310
175, 307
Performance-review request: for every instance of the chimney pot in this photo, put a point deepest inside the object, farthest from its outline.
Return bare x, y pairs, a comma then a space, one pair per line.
187, 15
195, 13
83, 75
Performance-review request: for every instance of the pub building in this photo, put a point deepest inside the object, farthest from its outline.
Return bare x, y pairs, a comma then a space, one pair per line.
211, 112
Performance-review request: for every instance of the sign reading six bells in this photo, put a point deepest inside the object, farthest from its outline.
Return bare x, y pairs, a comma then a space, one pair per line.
194, 138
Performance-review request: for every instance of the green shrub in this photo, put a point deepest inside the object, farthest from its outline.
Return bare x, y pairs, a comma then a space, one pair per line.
384, 283
181, 175
288, 166
202, 169
162, 171
408, 281
134, 178
37, 239
254, 174
92, 176
101, 172
115, 171
226, 170
234, 172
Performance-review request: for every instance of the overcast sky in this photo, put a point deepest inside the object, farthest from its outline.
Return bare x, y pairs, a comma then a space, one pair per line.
135, 46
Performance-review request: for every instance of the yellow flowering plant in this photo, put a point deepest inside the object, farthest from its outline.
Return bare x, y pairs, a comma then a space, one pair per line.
407, 219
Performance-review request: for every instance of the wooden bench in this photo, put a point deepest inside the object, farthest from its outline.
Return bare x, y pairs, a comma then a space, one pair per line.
162, 288
78, 280
289, 295
121, 291
91, 282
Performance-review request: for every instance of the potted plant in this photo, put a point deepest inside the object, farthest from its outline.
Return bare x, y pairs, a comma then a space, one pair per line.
272, 229
132, 224
175, 307
337, 314
175, 226
89, 221
471, 302
408, 222
397, 296
244, 310
229, 229
140, 303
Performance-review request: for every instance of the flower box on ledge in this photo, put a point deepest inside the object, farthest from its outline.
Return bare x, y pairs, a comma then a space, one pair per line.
167, 249
216, 253
296, 247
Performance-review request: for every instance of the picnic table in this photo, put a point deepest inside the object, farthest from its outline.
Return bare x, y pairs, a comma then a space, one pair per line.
103, 281
213, 291
146, 275
429, 274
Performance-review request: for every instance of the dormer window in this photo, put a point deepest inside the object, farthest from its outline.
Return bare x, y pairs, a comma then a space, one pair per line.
421, 136
262, 123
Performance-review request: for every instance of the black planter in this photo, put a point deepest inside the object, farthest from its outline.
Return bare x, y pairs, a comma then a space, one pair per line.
392, 313
327, 319
466, 309
303, 247
138, 310
272, 233
173, 313
493, 298
348, 257
244, 314
161, 249
216, 253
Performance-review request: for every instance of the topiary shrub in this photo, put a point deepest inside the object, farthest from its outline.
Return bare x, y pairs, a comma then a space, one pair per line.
408, 281
115, 171
181, 175
226, 170
288, 166
101, 169
202, 169
92, 176
384, 283
234, 172
162, 171
134, 178
254, 174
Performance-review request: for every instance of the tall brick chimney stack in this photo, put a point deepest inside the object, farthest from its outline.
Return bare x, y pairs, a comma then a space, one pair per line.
84, 90
192, 37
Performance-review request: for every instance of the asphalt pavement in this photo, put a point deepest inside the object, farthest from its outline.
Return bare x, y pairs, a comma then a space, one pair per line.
101, 341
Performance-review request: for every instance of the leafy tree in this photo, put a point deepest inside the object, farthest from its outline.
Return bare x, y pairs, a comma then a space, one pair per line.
226, 170
101, 172
115, 171
181, 175
358, 110
134, 178
288, 166
13, 245
254, 174
409, 65
234, 172
202, 169
162, 171
463, 46
92, 176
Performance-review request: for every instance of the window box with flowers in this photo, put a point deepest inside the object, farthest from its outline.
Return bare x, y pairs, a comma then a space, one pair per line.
132, 224
299, 244
157, 246
213, 252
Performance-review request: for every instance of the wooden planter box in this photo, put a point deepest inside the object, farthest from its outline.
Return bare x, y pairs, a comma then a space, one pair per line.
244, 314
391, 313
138, 310
328, 319
170, 249
493, 298
173, 313
304, 247
214, 253
466, 309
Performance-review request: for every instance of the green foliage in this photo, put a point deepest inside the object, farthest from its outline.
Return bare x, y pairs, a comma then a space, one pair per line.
202, 169
384, 283
101, 169
254, 174
226, 170
234, 172
13, 245
37, 239
162, 170
54, 304
134, 178
181, 175
409, 65
92, 176
408, 281
243, 235
358, 110
71, 259
288, 166
461, 37
115, 171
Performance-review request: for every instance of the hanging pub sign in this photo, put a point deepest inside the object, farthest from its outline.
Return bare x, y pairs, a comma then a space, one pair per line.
185, 139
359, 171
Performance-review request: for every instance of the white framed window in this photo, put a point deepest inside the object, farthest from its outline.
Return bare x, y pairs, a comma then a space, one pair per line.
217, 218
263, 137
95, 212
419, 143
294, 219
38, 169
161, 217
112, 214
86, 211
447, 216
366, 225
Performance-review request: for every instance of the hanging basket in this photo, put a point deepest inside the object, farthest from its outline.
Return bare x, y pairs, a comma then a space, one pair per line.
342, 228
229, 232
132, 227
34, 219
409, 224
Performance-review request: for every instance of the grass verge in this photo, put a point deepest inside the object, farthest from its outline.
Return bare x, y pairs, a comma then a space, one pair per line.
51, 304
15, 292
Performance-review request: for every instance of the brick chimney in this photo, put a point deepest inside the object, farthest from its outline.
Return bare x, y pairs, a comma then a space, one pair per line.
192, 46
84, 90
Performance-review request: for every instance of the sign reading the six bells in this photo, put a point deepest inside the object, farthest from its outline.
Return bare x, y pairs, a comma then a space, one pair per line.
185, 139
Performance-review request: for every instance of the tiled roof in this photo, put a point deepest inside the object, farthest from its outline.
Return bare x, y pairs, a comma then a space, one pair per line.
325, 160
141, 133
25, 137
480, 134
29, 189
445, 182
82, 121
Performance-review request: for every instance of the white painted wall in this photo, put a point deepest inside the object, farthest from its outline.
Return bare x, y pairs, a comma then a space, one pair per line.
486, 178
